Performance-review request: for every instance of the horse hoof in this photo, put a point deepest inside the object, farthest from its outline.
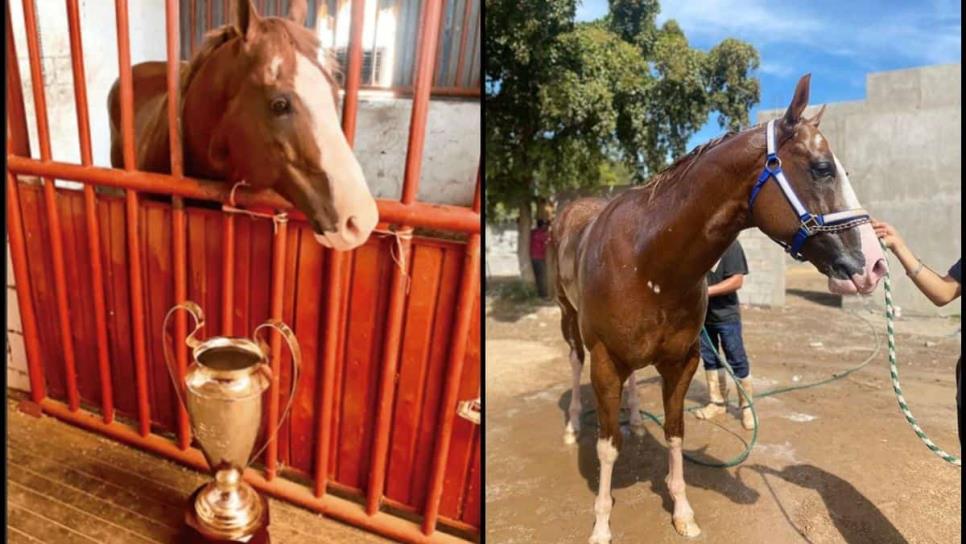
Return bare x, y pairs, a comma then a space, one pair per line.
687, 527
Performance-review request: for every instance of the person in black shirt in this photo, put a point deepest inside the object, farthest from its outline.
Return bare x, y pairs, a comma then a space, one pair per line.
941, 290
723, 324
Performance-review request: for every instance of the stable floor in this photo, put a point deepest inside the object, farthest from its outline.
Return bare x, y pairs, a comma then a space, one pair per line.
66, 485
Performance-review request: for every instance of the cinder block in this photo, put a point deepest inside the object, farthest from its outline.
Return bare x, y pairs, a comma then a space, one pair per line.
17, 355
13, 311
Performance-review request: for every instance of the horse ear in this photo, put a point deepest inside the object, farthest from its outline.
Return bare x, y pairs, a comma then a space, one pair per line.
298, 10
818, 116
246, 18
794, 112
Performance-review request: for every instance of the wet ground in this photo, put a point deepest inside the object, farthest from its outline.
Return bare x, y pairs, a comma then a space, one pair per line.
836, 463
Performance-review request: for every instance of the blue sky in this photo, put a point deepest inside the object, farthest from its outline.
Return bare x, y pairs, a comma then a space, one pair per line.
839, 42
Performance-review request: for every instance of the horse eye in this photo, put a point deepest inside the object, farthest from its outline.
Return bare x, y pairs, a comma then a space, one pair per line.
823, 169
281, 106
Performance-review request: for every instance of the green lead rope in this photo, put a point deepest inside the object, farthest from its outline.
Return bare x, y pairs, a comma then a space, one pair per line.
903, 406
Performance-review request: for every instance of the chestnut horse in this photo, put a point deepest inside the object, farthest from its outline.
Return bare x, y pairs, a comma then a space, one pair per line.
257, 105
631, 271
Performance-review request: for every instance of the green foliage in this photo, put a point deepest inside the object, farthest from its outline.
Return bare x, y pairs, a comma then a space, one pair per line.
573, 105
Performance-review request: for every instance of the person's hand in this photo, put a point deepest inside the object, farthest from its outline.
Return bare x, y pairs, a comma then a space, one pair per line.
888, 234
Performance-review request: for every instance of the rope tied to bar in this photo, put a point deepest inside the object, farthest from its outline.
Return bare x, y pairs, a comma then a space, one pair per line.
277, 218
397, 251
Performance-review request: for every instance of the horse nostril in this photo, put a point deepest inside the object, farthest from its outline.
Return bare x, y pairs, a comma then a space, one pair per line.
351, 228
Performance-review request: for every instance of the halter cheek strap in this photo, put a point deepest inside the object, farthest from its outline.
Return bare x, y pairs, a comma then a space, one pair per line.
809, 224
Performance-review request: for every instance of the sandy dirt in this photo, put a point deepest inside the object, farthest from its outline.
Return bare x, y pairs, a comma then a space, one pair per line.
836, 463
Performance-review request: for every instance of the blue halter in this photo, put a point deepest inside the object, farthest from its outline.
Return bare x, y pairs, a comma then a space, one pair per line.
810, 224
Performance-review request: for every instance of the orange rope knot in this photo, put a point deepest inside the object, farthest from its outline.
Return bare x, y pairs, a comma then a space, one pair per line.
278, 218
398, 250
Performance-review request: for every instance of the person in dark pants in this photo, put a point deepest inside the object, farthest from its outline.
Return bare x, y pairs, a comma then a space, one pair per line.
723, 324
941, 290
538, 251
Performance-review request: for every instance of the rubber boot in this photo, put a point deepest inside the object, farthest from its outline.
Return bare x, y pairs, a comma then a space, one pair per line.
718, 393
747, 419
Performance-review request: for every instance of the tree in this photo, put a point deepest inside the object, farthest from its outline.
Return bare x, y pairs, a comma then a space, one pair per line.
570, 104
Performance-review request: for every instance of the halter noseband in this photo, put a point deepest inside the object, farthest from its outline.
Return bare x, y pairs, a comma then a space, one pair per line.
810, 224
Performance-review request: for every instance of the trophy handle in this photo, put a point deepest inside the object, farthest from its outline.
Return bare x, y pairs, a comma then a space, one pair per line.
199, 317
296, 351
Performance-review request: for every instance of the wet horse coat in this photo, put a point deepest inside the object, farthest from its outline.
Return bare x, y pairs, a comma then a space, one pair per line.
630, 272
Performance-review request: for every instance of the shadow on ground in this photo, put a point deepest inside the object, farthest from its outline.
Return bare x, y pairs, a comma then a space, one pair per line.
855, 517
511, 299
819, 297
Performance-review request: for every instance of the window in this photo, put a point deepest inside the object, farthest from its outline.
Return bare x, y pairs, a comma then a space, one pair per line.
390, 37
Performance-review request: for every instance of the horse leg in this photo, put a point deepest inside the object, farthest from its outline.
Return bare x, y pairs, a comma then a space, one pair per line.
606, 381
676, 379
633, 404
571, 332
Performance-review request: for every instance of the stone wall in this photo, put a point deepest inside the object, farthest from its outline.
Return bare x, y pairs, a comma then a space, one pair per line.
765, 283
902, 147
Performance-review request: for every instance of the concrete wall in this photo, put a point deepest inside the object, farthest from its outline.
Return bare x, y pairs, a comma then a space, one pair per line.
765, 283
902, 147
501, 250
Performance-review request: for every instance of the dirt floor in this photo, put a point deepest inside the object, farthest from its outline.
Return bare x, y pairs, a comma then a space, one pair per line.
66, 485
836, 463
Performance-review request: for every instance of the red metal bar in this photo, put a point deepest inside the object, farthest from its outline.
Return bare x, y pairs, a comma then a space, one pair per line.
178, 241
469, 289
131, 209
278, 288
417, 214
18, 254
424, 82
18, 141
337, 260
228, 275
341, 509
50, 202
353, 70
387, 380
90, 209
192, 27
464, 32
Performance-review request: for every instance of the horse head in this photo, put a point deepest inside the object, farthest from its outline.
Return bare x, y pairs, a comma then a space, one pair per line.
811, 207
280, 128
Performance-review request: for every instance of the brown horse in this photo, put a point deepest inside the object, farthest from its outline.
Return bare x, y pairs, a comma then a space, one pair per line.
631, 271
258, 106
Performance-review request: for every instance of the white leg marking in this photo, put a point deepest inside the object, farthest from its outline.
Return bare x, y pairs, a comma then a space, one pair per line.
573, 422
607, 455
683, 516
633, 404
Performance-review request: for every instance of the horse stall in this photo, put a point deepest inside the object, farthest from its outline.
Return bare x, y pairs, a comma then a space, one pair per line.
380, 435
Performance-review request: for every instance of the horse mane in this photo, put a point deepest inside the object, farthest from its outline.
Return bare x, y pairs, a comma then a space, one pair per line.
304, 40
683, 164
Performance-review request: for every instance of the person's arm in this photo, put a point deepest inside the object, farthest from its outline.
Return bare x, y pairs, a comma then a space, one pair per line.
727, 285
941, 290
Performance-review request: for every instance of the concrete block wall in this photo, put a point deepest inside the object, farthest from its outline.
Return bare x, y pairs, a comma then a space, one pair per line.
765, 283
902, 148
501, 250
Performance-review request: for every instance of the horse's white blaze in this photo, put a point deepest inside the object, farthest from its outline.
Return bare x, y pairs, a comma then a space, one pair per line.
607, 455
848, 194
274, 66
573, 422
350, 195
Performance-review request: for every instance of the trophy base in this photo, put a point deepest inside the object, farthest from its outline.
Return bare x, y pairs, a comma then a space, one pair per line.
194, 531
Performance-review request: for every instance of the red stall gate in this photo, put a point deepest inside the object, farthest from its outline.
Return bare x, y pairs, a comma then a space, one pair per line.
390, 332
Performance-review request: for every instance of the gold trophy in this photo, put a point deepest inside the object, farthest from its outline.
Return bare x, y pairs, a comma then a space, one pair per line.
222, 392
